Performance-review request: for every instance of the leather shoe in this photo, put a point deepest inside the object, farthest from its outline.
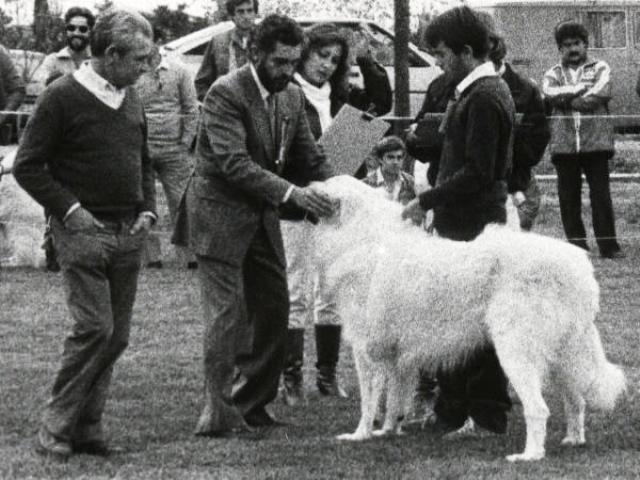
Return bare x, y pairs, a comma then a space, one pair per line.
49, 446
261, 418
99, 448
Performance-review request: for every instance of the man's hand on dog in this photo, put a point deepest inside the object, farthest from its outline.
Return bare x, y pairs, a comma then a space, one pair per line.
413, 211
314, 200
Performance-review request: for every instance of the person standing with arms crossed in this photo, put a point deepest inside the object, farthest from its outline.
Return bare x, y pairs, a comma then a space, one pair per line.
84, 158
578, 90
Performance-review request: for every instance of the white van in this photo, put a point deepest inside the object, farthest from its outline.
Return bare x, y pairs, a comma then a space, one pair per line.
422, 67
614, 36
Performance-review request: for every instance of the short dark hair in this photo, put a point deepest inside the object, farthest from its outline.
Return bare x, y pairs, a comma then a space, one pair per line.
456, 28
80, 12
321, 35
570, 29
118, 28
389, 144
232, 4
497, 46
276, 28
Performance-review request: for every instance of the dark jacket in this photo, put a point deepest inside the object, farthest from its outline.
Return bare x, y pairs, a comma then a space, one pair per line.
471, 187
425, 143
532, 132
215, 61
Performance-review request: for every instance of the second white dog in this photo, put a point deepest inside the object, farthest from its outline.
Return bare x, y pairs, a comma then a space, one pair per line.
407, 300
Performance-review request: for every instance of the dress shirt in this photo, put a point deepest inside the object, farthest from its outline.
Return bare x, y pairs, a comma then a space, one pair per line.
264, 93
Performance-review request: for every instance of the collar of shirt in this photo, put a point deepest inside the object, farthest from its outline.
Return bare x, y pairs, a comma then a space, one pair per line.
239, 40
164, 63
66, 53
264, 93
394, 188
502, 69
98, 86
487, 69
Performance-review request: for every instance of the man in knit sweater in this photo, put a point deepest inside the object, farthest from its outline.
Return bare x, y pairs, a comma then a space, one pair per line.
470, 192
84, 158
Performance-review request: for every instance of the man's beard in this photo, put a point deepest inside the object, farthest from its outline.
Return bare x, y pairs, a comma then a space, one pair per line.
272, 84
77, 44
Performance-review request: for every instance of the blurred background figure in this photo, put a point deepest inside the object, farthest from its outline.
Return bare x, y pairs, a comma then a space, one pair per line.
398, 185
79, 22
169, 98
323, 75
12, 90
227, 52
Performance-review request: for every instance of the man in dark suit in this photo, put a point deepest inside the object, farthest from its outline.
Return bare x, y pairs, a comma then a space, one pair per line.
253, 133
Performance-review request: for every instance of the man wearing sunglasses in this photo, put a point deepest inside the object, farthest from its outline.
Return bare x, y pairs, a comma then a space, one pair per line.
78, 24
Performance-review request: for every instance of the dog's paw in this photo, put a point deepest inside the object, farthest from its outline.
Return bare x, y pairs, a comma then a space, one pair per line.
525, 456
573, 442
383, 432
357, 436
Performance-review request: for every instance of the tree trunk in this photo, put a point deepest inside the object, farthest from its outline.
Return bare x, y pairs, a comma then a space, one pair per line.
402, 102
40, 21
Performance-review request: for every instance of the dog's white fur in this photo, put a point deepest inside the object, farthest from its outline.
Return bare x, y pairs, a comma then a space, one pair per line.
21, 223
408, 300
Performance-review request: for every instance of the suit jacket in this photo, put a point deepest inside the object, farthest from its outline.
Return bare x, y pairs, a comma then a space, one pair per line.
215, 62
238, 183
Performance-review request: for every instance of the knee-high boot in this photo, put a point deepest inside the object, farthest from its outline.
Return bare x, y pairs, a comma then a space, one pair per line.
292, 389
328, 351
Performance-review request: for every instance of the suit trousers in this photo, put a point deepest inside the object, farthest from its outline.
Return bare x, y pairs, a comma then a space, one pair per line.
245, 311
308, 292
100, 276
595, 166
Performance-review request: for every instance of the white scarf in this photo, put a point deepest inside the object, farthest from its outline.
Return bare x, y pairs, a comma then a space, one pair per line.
319, 98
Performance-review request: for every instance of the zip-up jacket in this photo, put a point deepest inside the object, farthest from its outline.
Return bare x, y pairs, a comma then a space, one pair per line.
587, 129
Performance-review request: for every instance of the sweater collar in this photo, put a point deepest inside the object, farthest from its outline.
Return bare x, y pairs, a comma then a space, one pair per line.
487, 69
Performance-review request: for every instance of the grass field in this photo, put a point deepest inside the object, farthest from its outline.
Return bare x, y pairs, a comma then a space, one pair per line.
157, 387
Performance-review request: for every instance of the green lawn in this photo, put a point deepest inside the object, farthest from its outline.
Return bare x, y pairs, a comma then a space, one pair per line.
156, 394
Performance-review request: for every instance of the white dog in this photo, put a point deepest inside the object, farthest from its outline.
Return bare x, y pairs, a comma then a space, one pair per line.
408, 300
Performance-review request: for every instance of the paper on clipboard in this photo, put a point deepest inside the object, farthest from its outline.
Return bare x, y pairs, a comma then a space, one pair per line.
350, 138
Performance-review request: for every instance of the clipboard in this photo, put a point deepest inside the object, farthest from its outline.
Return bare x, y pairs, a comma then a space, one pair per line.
350, 139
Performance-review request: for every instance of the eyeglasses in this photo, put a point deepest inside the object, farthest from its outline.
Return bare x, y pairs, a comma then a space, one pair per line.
79, 28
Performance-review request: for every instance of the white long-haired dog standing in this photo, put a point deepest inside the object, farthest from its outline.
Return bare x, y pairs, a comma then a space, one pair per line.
407, 300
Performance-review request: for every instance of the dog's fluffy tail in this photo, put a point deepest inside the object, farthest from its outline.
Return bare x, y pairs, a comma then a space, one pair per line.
607, 381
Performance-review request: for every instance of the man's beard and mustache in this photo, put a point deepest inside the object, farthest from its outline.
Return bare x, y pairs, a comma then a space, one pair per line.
77, 43
272, 84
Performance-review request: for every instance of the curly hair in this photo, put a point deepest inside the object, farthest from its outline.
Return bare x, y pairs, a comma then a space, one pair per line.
80, 12
319, 36
570, 29
276, 28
